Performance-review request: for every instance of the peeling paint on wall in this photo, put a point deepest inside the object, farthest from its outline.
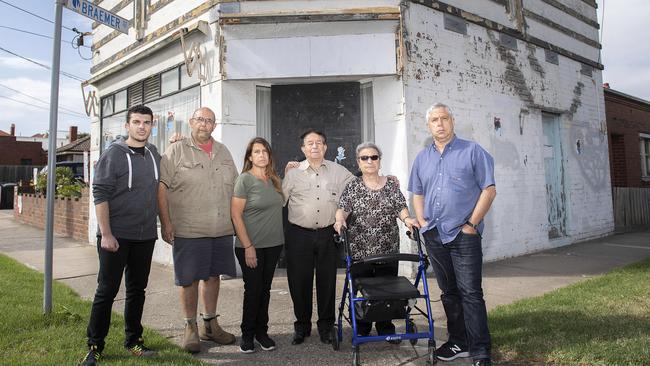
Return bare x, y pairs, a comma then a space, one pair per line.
522, 115
533, 61
590, 154
497, 125
514, 77
576, 102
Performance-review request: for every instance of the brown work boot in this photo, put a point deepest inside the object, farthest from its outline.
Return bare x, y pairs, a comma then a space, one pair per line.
211, 331
191, 341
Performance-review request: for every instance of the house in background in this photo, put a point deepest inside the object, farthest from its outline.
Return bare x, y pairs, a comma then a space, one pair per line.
73, 151
523, 79
61, 137
19, 158
16, 152
628, 125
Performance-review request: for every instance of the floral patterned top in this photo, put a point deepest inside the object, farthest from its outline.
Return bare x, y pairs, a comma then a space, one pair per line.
372, 225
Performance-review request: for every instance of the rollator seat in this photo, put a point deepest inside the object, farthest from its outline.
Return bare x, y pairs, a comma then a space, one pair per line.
386, 288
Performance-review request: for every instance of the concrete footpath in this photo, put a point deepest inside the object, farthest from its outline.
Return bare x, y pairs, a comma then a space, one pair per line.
505, 281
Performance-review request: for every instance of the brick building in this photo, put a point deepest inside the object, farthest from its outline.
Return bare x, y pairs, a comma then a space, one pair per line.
522, 76
628, 125
14, 152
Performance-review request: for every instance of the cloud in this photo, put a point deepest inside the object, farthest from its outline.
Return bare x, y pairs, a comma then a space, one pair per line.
17, 63
32, 116
625, 53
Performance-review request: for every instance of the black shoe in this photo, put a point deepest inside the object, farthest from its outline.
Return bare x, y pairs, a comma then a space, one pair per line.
247, 345
326, 337
265, 342
138, 349
482, 362
451, 351
298, 338
92, 357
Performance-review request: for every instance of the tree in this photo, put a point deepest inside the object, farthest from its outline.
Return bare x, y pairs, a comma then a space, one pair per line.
66, 184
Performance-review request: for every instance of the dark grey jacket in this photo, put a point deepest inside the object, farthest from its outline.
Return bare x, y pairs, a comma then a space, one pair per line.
129, 182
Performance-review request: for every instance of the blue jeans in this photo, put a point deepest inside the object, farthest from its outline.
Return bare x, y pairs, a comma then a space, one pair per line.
458, 269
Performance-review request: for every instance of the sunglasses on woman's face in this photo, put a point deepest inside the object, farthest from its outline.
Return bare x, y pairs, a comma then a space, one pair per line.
371, 157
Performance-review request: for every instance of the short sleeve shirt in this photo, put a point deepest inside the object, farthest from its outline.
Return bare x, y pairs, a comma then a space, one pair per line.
262, 212
200, 188
451, 184
313, 194
372, 224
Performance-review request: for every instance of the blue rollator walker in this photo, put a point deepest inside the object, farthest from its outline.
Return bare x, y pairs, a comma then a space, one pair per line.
384, 298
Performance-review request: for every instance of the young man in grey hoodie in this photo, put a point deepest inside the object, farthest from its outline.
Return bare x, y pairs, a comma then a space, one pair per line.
125, 189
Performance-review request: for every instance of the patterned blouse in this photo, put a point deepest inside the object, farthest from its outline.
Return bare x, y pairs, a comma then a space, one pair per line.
372, 225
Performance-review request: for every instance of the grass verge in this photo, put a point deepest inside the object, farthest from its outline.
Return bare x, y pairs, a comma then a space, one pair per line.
27, 337
601, 321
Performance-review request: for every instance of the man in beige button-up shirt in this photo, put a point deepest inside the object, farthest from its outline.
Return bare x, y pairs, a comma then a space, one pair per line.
197, 176
312, 191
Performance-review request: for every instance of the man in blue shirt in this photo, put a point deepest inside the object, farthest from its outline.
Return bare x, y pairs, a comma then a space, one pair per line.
452, 182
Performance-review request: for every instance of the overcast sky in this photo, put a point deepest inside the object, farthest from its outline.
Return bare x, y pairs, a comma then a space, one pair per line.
625, 55
32, 116
626, 49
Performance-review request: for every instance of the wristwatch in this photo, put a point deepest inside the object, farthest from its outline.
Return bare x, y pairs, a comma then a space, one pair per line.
472, 225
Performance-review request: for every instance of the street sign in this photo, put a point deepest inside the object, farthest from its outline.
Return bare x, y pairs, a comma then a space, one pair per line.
98, 14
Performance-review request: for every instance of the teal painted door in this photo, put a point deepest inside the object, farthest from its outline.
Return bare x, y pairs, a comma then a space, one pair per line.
554, 174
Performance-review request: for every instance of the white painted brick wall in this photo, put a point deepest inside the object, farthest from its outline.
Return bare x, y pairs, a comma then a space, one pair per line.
470, 74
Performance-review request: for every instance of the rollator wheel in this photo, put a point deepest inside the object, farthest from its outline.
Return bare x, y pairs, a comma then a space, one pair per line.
431, 357
334, 335
356, 358
412, 328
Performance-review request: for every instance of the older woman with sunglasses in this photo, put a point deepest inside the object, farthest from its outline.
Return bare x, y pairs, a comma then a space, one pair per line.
370, 205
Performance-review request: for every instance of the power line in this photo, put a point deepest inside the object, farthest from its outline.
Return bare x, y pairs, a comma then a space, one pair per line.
30, 13
38, 106
40, 100
38, 34
67, 74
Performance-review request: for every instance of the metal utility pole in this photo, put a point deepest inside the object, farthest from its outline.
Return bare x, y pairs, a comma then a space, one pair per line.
51, 156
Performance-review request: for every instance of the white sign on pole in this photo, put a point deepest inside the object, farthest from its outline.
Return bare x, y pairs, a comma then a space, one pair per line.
98, 14
86, 166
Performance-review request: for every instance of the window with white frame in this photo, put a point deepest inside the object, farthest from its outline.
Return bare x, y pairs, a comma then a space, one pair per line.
644, 147
171, 97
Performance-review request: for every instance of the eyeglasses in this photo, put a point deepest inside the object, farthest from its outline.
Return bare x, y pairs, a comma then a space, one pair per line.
371, 157
205, 121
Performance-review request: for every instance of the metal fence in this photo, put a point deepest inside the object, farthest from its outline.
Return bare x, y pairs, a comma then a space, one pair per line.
16, 173
631, 208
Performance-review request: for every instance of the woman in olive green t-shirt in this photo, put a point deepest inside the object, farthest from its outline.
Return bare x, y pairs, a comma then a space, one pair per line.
256, 211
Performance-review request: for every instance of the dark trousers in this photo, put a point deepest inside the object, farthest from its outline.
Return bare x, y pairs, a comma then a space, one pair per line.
133, 258
257, 289
374, 270
458, 267
308, 250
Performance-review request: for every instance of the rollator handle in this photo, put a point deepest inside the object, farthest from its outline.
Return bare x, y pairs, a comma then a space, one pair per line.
415, 235
343, 239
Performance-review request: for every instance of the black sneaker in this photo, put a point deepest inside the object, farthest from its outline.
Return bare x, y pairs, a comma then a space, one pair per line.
482, 362
92, 357
265, 342
138, 349
246, 345
451, 351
